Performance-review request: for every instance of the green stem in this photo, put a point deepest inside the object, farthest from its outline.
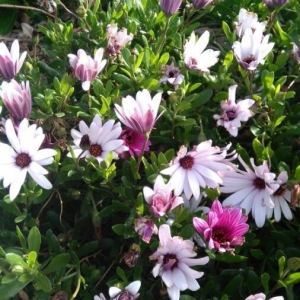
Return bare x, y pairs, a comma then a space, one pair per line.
162, 38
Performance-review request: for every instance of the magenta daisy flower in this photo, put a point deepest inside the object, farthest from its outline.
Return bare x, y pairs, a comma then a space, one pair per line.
224, 227
135, 142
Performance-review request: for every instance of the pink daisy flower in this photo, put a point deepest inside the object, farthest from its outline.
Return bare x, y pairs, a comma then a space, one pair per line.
224, 227
161, 198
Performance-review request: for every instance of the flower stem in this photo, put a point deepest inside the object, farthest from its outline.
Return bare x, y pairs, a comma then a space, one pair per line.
162, 38
147, 135
250, 83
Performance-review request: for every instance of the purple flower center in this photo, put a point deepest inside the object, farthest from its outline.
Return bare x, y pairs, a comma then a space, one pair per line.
23, 160
259, 183
170, 261
124, 296
186, 162
231, 115
129, 138
250, 58
219, 235
95, 150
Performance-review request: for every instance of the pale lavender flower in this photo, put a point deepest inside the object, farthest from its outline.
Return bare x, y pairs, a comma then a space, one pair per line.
17, 99
262, 296
198, 167
273, 3
174, 258
253, 49
172, 75
11, 62
140, 114
129, 293
85, 67
145, 228
234, 113
251, 190
161, 198
98, 140
24, 156
116, 39
195, 57
281, 199
202, 3
247, 19
224, 227
170, 7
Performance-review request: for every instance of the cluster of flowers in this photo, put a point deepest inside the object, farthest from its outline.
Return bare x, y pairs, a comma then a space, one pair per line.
190, 172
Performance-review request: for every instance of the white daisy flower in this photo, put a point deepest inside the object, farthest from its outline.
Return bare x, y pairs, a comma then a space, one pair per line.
98, 140
174, 257
247, 19
281, 199
253, 49
195, 57
24, 155
198, 167
251, 190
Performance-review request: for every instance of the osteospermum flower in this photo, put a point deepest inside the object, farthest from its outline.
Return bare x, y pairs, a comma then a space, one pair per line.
201, 3
234, 113
17, 99
98, 140
161, 198
11, 62
135, 142
174, 257
198, 167
274, 3
251, 190
24, 156
247, 19
195, 57
85, 67
116, 39
129, 293
172, 75
170, 7
140, 114
281, 199
145, 227
262, 296
224, 227
252, 49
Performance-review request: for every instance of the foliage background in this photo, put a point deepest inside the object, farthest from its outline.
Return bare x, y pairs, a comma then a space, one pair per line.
74, 237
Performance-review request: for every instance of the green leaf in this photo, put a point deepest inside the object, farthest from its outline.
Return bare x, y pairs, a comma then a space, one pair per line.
57, 263
11, 289
257, 147
119, 229
21, 238
281, 263
42, 283
7, 17
293, 263
265, 278
121, 274
230, 258
34, 239
292, 279
15, 259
